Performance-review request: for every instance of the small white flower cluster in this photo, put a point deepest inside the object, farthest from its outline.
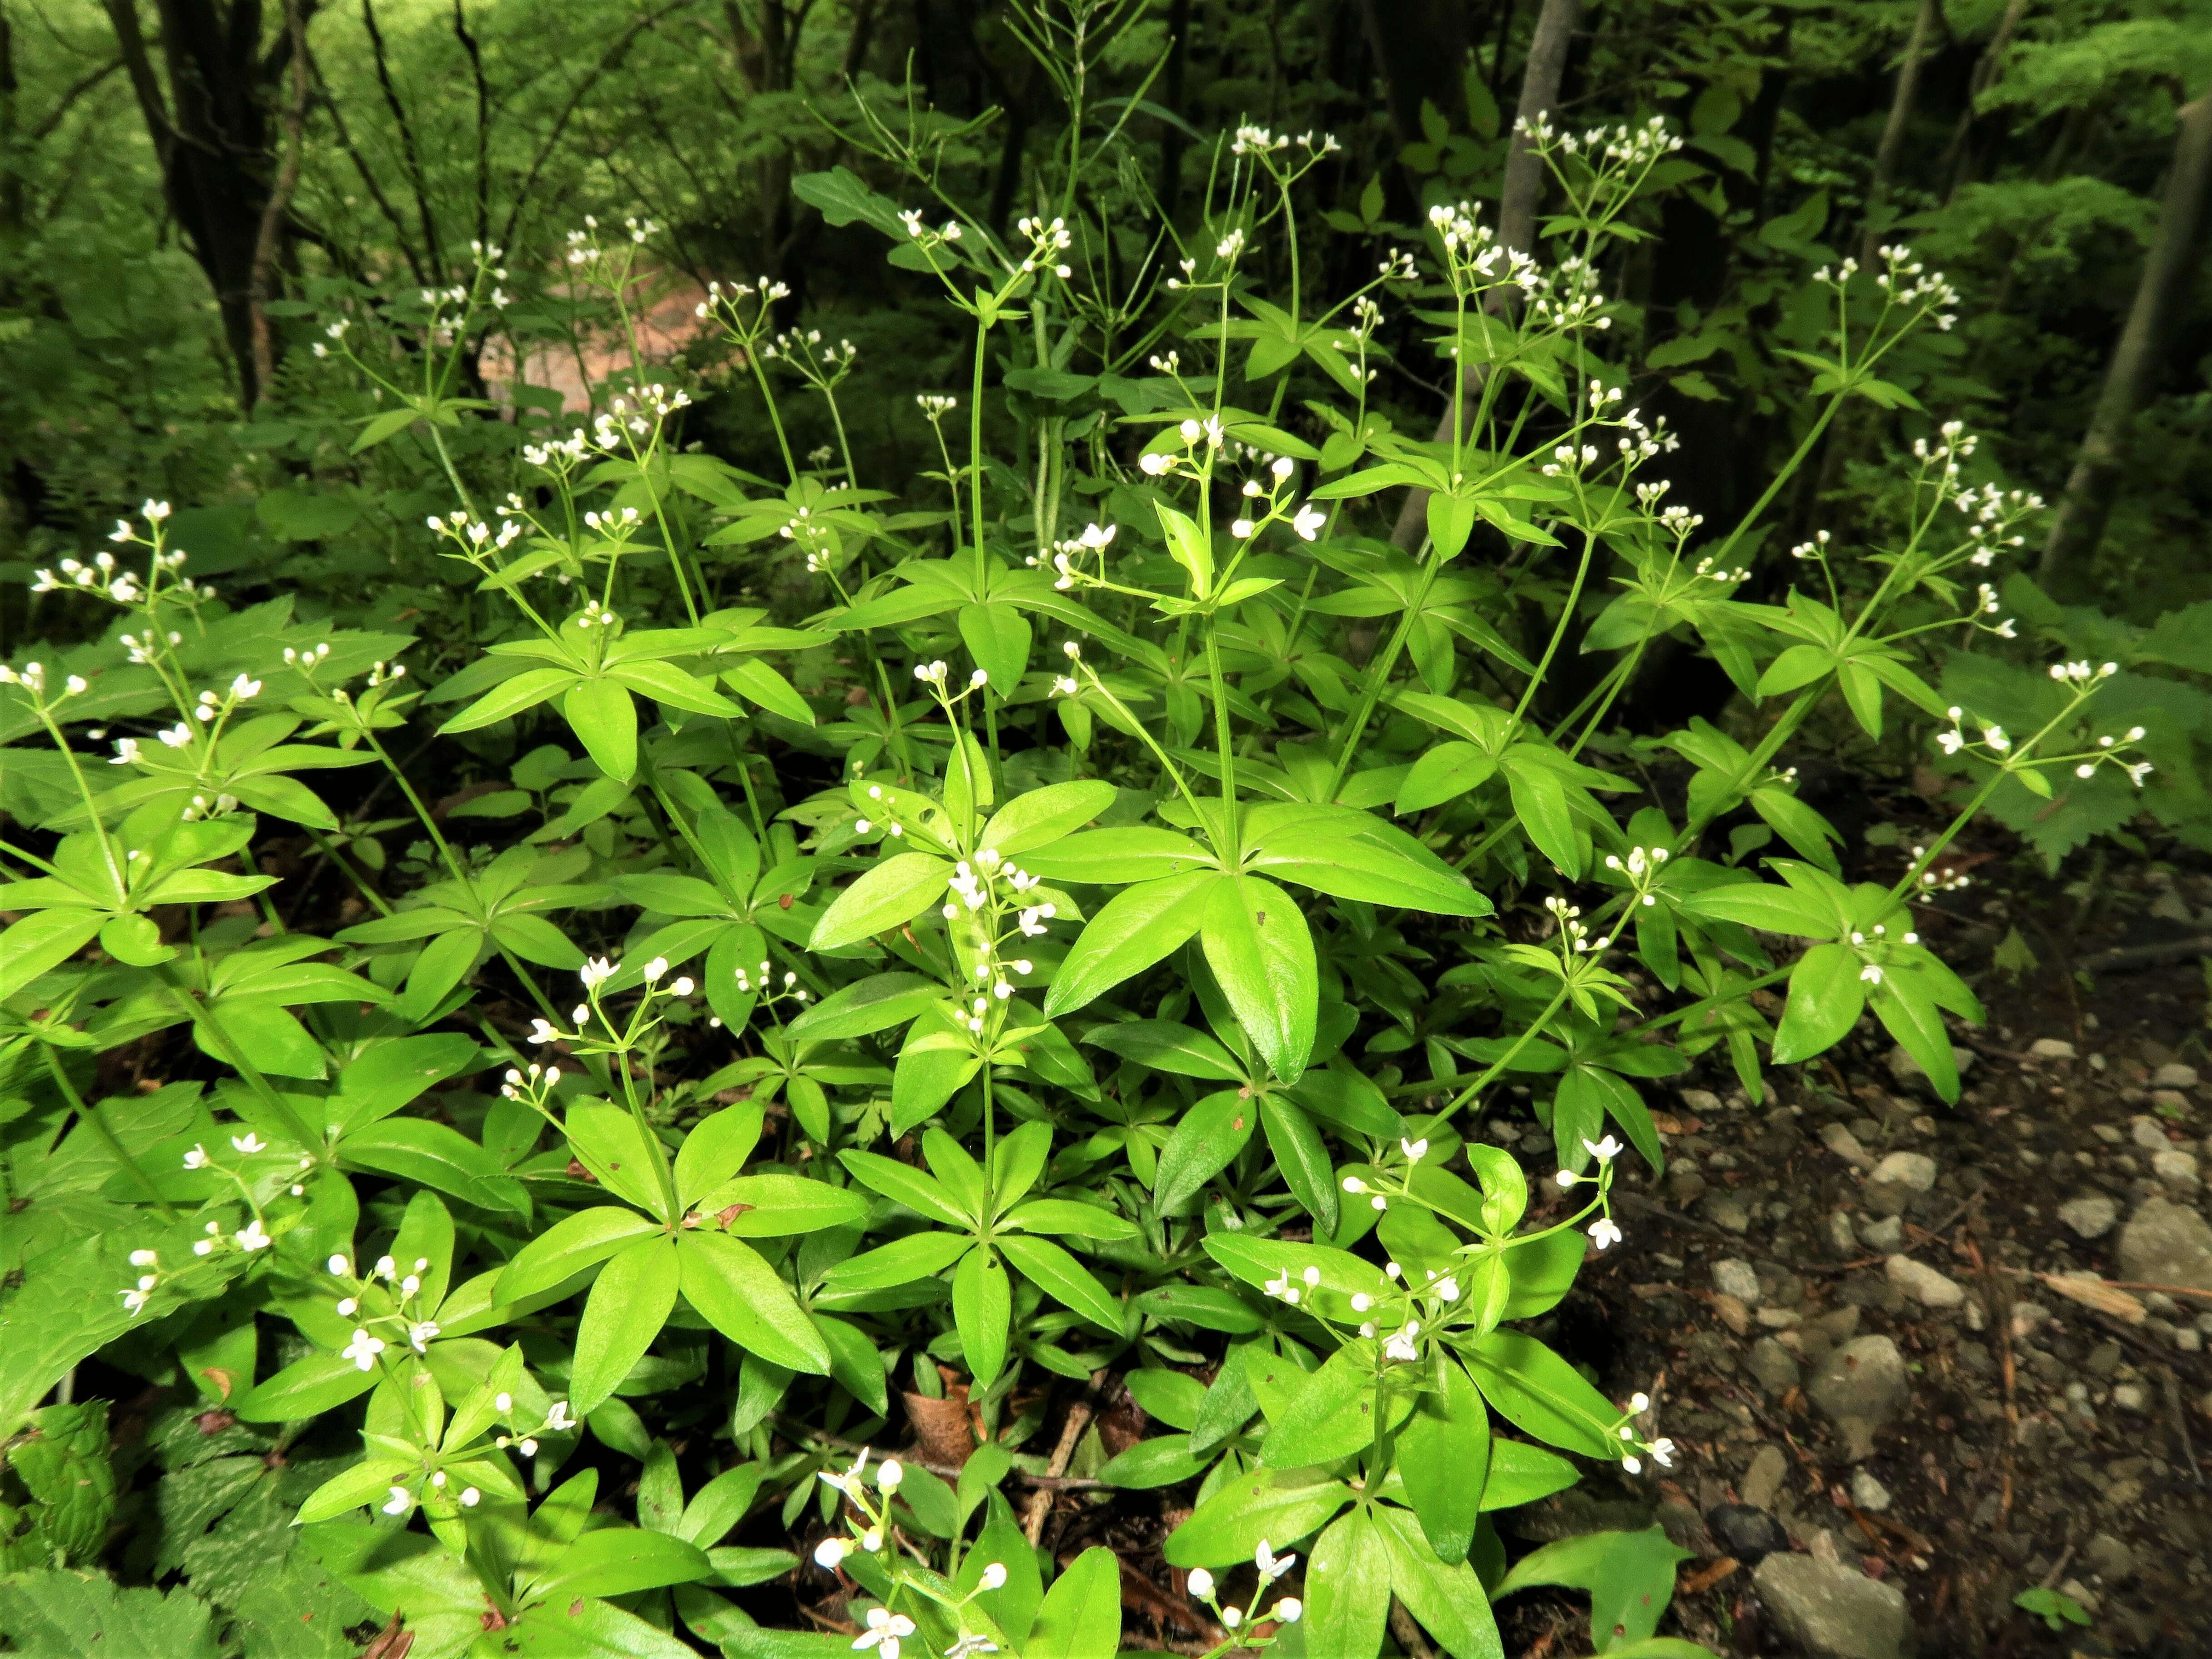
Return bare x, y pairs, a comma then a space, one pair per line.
1475, 261
1816, 549
988, 880
1660, 1451
532, 1084
929, 240
1706, 567
2082, 673
1287, 1610
1046, 243
762, 983
1641, 868
868, 1525
557, 1421
1065, 685
728, 302
1569, 298
1194, 434
1936, 881
1572, 931
1872, 948
936, 405
1604, 1233
1093, 541
595, 973
474, 538
32, 676
251, 1238
408, 1320
104, 578
796, 347
1903, 282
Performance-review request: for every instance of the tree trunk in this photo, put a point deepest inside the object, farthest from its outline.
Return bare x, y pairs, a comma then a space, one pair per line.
211, 133
1521, 194
1924, 24
268, 241
1956, 168
2132, 376
1421, 47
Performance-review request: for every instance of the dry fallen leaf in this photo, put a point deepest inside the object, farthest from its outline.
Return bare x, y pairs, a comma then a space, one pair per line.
2093, 1292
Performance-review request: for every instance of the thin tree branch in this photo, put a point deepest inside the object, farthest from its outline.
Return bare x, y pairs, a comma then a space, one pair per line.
275, 210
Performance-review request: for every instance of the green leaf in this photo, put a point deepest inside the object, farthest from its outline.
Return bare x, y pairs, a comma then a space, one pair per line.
1908, 1013
1522, 1473
1302, 1159
998, 637
629, 1302
902, 1261
1330, 1413
567, 1248
897, 890
874, 1004
1447, 1598
1826, 997
982, 1311
1064, 1278
1189, 546
1131, 931
1113, 857
1260, 948
775, 1205
1538, 1392
1630, 1576
1211, 1134
436, 1155
618, 1561
902, 1184
1167, 1046
1081, 1615
604, 720
608, 1143
715, 1149
741, 1297
1165, 1459
1280, 1509
1766, 905
510, 697
1443, 773
1347, 1590
48, 1613
305, 1389
1038, 818
1444, 1458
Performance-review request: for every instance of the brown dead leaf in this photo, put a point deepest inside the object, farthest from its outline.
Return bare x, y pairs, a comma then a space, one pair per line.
941, 1427
2096, 1293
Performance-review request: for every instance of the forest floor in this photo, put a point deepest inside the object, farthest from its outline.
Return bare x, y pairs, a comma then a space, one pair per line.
1852, 1307
1845, 1303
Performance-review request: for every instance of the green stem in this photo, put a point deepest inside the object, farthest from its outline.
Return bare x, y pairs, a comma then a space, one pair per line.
1438, 1119
1379, 673
106, 1131
204, 1021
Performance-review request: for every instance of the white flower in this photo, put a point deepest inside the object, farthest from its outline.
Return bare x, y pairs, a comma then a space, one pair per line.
143, 1258
1289, 1609
419, 1336
831, 1554
1603, 1151
1271, 1566
1870, 974
250, 1237
1603, 1233
1307, 521
401, 1500
1202, 1584
993, 1576
340, 1267
470, 1498
249, 1143
542, 1032
655, 968
885, 1630
363, 1350
1663, 1453
1232, 1617
196, 1159
1566, 1177
889, 1476
596, 972
557, 1417
347, 1305
1415, 1151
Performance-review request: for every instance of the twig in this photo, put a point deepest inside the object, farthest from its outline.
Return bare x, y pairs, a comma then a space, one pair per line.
2180, 1422
1407, 1632
2121, 961
1078, 1419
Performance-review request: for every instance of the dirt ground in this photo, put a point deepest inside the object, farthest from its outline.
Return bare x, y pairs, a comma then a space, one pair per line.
2045, 1436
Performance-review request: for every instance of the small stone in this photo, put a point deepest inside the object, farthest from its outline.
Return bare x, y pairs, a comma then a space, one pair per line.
1858, 1436
1737, 1279
1845, 1145
2167, 1243
1913, 1171
1727, 1211
2075, 1588
1869, 1493
2051, 1049
1924, 1283
1732, 1312
2148, 1134
2174, 1075
1779, 1319
1831, 1611
1908, 1074
1701, 1100
2129, 1397
1885, 1234
2175, 1168
1774, 1366
1864, 1379
1762, 1482
2110, 1558
2090, 1216
1748, 1534
1842, 1241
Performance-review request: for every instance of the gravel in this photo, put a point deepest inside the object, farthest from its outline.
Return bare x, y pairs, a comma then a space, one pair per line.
1738, 1279
2090, 1216
1866, 1379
